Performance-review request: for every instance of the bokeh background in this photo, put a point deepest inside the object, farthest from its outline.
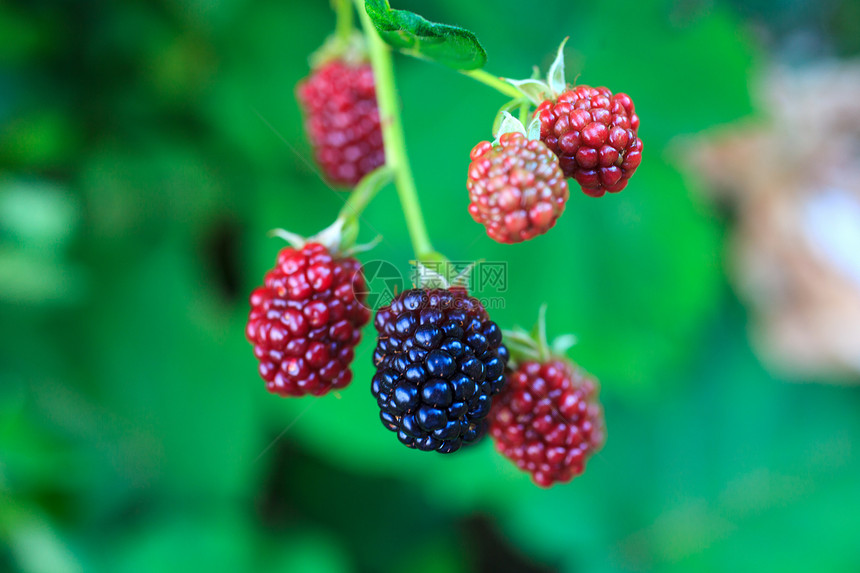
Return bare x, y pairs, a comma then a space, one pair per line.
147, 147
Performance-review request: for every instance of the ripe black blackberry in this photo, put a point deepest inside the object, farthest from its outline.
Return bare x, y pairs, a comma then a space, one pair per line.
439, 361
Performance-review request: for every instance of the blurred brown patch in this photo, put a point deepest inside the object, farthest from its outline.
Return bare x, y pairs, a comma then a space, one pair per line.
793, 181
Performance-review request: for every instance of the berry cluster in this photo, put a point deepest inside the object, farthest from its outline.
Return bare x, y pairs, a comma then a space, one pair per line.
342, 120
516, 188
548, 420
306, 320
442, 376
594, 135
439, 361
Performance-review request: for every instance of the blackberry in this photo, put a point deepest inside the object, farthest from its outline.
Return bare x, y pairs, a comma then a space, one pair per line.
595, 136
548, 420
439, 360
306, 320
516, 188
338, 100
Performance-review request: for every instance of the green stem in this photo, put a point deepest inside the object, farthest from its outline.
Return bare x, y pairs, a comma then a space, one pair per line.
524, 113
494, 82
358, 200
540, 327
392, 136
364, 192
343, 28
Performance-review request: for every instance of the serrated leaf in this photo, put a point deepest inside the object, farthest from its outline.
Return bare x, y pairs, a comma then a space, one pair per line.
452, 46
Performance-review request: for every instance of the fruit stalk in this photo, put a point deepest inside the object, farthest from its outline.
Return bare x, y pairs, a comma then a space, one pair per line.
494, 82
392, 135
360, 197
363, 194
343, 27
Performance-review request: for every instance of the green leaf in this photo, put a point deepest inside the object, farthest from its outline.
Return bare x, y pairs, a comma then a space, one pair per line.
449, 45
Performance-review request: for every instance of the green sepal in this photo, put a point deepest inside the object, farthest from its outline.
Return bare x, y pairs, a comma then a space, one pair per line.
526, 346
536, 90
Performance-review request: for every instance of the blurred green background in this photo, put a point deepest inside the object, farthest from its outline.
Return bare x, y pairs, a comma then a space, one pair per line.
145, 150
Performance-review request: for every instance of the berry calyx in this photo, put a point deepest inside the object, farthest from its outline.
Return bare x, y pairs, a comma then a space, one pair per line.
548, 420
306, 320
439, 360
516, 188
338, 101
594, 135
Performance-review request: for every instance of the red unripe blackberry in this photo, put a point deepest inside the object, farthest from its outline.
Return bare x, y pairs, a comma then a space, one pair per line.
548, 421
595, 135
516, 188
439, 360
338, 101
306, 320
